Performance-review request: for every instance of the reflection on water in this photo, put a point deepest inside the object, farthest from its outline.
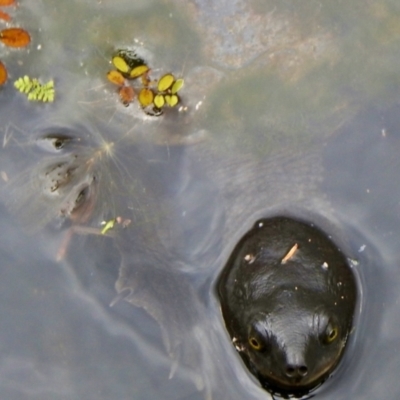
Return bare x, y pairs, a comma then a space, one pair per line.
277, 119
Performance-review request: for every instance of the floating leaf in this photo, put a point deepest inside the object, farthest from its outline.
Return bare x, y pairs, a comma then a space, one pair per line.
34, 90
172, 100
138, 71
126, 94
146, 97
3, 74
20, 84
15, 37
108, 226
159, 101
131, 58
165, 82
116, 78
178, 84
6, 2
4, 16
120, 64
153, 95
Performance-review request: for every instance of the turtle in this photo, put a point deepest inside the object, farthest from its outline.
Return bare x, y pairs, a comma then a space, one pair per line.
288, 297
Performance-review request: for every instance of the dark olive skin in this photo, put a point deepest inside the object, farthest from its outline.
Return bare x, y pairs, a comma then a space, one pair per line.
289, 313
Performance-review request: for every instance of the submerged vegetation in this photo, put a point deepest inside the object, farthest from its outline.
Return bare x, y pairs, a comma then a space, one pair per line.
76, 180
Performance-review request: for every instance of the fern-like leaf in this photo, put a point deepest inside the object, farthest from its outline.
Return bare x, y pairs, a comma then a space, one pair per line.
35, 90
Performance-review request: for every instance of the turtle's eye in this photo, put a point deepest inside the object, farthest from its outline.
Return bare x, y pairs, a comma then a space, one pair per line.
258, 336
255, 343
331, 333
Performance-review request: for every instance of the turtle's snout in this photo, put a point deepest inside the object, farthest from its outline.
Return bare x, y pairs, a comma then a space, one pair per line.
295, 367
296, 371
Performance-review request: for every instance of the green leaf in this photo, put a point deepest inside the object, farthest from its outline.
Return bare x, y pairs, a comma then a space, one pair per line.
35, 90
108, 226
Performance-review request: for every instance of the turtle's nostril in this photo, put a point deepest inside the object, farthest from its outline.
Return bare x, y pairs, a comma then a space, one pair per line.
303, 370
290, 371
296, 371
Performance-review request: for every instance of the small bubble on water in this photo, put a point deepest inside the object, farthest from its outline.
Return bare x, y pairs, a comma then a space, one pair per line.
353, 262
362, 248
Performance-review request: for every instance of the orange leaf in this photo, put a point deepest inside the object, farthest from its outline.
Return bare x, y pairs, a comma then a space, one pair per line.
7, 2
4, 16
116, 78
15, 37
3, 73
126, 94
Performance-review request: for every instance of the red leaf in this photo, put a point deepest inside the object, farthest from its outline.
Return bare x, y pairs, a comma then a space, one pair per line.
4, 16
7, 2
15, 37
3, 73
126, 94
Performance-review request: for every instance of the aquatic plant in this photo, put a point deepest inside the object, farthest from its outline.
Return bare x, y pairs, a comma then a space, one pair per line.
3, 15
108, 225
153, 95
3, 73
35, 90
11, 37
15, 37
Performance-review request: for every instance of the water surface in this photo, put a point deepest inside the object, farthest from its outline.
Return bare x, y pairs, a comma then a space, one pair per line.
291, 108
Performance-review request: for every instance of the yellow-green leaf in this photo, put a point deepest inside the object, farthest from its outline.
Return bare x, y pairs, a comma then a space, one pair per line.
172, 100
50, 97
35, 90
159, 101
120, 64
138, 71
178, 84
146, 97
109, 225
165, 82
